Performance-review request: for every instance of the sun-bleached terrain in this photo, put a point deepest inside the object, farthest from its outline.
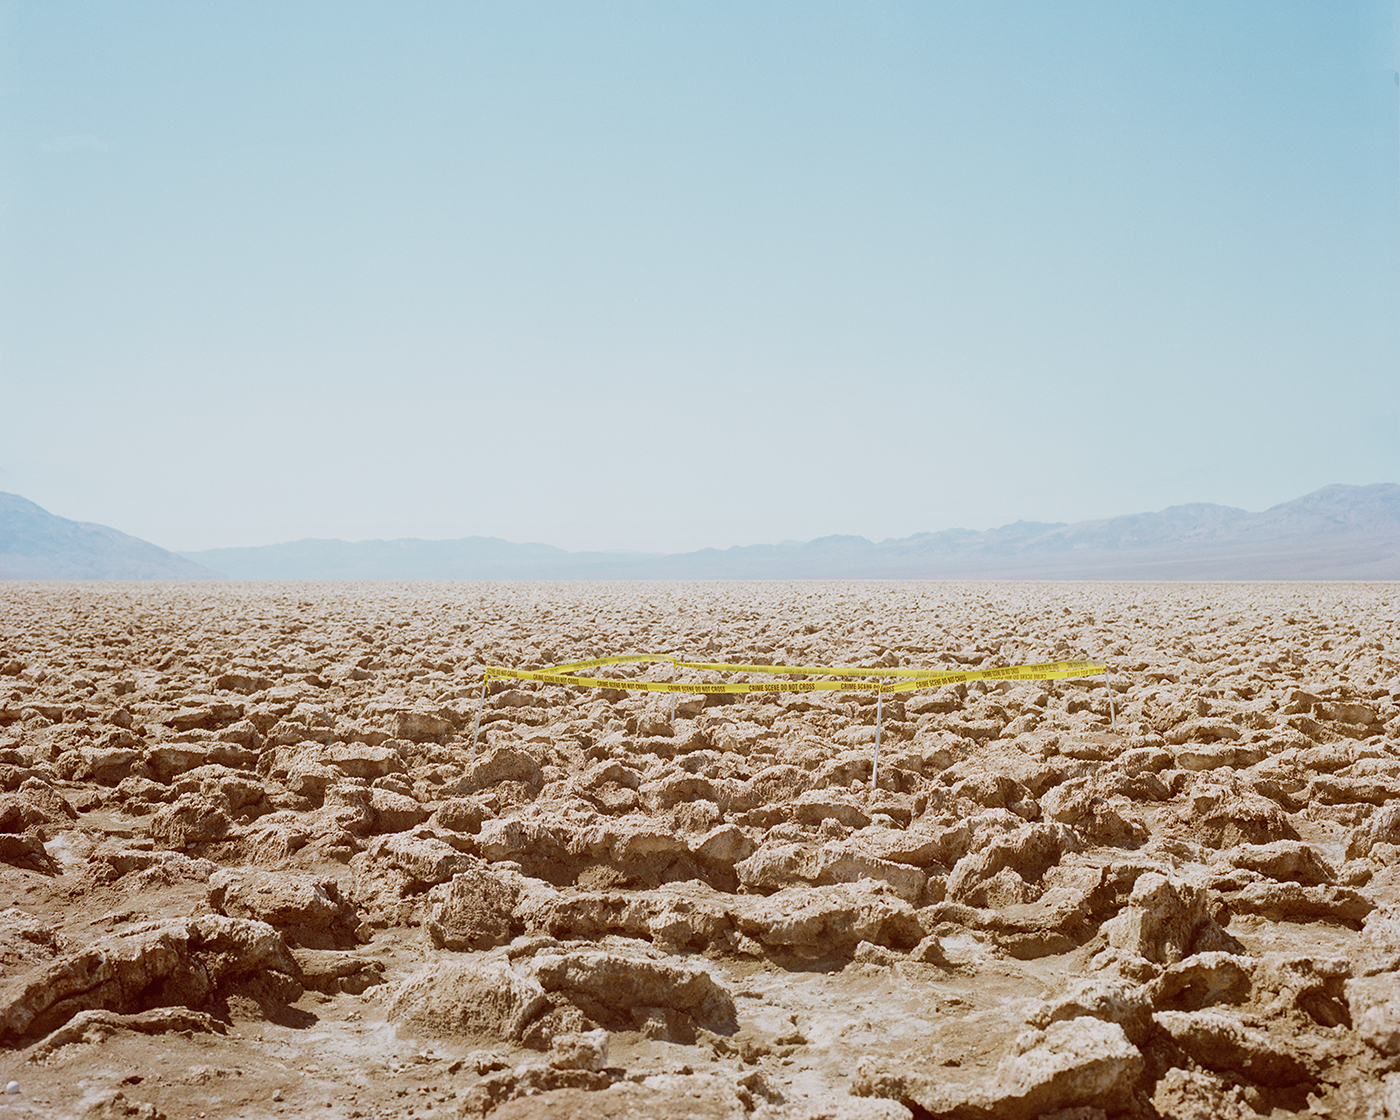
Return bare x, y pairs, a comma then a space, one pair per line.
250, 865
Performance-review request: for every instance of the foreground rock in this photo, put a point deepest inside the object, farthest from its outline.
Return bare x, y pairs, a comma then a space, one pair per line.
187, 963
1074, 1063
548, 989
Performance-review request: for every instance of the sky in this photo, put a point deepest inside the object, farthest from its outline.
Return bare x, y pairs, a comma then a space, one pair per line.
669, 276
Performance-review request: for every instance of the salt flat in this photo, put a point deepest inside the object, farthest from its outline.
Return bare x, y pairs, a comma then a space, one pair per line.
250, 864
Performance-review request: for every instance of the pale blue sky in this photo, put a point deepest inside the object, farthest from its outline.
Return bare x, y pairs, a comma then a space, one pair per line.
661, 276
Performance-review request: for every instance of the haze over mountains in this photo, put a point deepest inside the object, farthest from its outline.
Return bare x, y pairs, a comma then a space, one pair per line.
1338, 532
34, 544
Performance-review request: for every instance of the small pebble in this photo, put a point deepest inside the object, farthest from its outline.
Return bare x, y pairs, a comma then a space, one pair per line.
12, 1087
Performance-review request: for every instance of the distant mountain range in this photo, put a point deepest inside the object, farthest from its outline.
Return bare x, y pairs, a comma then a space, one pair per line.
1338, 532
34, 544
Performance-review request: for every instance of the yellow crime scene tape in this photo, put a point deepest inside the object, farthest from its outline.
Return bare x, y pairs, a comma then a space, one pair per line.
907, 679
856, 680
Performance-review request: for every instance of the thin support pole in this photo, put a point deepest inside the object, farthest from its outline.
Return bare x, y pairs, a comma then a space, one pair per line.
673, 695
1112, 712
879, 723
481, 703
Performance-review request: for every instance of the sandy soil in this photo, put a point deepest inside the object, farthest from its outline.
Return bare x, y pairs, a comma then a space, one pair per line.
250, 865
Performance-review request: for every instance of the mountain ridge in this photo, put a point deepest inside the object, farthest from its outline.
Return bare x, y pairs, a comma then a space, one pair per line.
1338, 532
36, 544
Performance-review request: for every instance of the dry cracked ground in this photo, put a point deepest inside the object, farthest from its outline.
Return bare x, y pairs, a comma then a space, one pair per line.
250, 865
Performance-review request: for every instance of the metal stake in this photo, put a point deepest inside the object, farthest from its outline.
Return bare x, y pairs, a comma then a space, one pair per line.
481, 703
879, 721
1112, 712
